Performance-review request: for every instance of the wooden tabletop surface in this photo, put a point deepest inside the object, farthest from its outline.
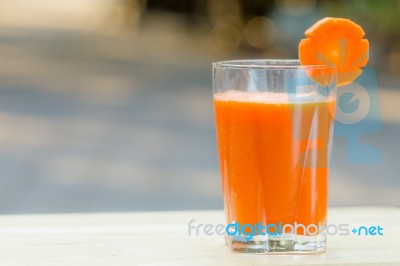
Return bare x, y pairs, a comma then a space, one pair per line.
162, 238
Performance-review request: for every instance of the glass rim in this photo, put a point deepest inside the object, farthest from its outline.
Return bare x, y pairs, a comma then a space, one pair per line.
267, 64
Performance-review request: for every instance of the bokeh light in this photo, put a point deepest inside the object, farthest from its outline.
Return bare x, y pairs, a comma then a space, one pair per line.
260, 32
225, 38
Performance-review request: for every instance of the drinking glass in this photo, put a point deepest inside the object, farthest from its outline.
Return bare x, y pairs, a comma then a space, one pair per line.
274, 123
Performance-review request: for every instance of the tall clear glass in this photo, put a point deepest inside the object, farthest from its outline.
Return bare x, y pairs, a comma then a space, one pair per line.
274, 121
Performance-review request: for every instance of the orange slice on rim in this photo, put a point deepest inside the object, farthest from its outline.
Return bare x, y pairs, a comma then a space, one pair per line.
338, 42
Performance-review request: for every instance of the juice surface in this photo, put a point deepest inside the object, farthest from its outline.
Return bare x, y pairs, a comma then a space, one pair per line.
273, 155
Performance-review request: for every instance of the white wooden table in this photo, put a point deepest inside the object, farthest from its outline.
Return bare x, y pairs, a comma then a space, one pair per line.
159, 238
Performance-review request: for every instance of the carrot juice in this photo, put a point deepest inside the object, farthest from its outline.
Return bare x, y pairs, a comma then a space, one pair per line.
274, 156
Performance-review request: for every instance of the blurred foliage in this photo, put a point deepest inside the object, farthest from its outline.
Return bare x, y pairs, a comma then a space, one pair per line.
380, 20
259, 28
384, 15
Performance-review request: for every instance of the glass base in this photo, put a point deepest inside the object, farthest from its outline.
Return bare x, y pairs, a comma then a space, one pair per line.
288, 244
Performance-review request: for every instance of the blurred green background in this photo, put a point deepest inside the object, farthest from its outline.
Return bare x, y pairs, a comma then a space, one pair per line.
107, 105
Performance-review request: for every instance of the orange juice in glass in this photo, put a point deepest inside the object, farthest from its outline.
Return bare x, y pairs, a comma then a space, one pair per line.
274, 123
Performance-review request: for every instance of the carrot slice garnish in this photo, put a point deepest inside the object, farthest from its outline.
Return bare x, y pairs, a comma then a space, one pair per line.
338, 42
